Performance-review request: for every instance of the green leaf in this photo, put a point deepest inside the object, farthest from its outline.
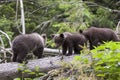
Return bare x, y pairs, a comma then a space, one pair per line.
17, 79
27, 71
32, 73
85, 60
77, 58
41, 74
37, 68
100, 75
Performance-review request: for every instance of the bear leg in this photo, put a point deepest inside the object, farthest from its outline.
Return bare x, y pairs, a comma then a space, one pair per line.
21, 57
38, 52
64, 50
70, 50
93, 44
77, 49
14, 59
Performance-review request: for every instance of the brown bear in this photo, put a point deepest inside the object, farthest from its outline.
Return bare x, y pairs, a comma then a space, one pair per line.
24, 43
99, 35
69, 41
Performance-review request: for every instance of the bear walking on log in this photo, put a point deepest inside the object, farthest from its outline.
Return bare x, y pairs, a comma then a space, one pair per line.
23, 44
98, 35
69, 41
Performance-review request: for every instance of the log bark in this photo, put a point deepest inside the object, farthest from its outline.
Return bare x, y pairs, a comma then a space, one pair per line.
46, 50
9, 71
49, 50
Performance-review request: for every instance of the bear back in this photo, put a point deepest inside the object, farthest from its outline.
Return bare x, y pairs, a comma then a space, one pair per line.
28, 41
103, 34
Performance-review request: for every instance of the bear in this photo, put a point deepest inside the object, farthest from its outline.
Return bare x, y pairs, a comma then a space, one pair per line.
69, 41
97, 36
25, 43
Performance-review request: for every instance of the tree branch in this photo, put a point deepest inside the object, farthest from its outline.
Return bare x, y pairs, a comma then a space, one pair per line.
118, 28
95, 4
3, 46
9, 40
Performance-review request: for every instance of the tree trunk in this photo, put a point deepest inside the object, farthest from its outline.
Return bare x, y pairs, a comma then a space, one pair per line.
9, 71
22, 17
46, 50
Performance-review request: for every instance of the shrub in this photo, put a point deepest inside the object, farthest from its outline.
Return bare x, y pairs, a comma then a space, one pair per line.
106, 59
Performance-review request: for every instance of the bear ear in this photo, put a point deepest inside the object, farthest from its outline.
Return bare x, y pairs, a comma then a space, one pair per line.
44, 36
80, 31
52, 35
62, 35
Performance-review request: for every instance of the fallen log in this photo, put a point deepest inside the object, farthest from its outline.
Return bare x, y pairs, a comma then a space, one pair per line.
49, 50
9, 71
46, 50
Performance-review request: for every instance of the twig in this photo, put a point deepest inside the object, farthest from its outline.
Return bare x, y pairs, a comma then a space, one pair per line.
3, 46
4, 60
95, 4
117, 28
9, 40
6, 49
43, 25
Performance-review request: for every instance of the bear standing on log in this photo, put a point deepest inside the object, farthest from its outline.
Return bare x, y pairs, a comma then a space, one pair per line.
69, 41
98, 35
23, 44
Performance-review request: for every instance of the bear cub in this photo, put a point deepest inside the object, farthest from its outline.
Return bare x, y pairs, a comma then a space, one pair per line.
24, 43
70, 42
99, 35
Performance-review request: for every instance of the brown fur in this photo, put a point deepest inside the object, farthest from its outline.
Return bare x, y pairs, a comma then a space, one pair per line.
69, 41
98, 35
23, 44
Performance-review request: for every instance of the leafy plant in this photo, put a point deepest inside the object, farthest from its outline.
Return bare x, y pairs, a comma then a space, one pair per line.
103, 63
78, 69
106, 59
24, 70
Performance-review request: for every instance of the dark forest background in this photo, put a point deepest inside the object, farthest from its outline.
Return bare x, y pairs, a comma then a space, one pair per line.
56, 16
